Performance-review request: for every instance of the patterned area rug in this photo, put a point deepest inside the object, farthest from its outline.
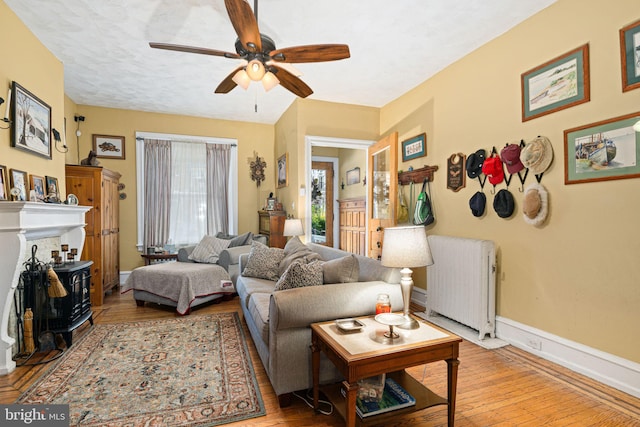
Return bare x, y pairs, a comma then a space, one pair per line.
193, 371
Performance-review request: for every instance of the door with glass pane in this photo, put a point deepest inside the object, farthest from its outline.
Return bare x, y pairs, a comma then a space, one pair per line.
322, 203
383, 190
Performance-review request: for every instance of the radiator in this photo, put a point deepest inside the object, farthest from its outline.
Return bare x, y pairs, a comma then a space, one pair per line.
461, 282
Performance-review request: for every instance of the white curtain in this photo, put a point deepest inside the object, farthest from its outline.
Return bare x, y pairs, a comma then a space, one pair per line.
188, 192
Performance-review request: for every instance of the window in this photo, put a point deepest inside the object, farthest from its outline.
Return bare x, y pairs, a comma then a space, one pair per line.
190, 197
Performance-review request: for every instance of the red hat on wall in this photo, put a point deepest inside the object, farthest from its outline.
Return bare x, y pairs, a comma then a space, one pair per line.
492, 168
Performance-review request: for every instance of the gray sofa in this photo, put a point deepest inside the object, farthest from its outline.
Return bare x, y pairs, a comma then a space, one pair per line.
279, 321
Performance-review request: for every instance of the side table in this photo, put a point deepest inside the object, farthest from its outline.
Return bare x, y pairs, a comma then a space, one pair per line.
156, 258
367, 352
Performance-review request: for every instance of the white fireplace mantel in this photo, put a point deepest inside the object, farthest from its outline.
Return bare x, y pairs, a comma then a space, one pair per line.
19, 223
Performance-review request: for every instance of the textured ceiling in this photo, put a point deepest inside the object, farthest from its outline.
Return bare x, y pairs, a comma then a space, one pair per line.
395, 45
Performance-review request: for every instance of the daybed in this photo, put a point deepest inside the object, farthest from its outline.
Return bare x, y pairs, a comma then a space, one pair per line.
201, 274
279, 320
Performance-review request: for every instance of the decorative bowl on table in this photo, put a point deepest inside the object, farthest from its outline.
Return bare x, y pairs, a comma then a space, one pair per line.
349, 325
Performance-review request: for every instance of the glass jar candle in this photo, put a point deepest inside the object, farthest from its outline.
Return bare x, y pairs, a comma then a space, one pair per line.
383, 304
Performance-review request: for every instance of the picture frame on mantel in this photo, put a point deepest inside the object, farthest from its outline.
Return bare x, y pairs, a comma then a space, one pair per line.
30, 122
560, 83
108, 146
630, 56
4, 183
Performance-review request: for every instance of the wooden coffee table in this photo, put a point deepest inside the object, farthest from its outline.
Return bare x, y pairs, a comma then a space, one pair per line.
365, 353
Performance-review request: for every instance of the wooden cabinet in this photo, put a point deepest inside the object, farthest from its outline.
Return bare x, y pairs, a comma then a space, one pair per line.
271, 224
98, 187
353, 225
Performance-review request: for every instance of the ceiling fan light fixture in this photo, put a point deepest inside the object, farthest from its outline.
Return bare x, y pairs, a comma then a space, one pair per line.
255, 70
241, 78
269, 81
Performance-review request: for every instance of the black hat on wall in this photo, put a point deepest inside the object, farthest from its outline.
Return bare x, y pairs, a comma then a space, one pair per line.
474, 163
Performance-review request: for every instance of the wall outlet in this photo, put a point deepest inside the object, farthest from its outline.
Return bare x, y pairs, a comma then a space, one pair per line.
534, 343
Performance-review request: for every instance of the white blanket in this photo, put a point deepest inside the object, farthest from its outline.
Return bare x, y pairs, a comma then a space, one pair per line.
181, 282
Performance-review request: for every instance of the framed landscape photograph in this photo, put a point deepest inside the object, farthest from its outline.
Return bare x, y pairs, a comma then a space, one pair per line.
19, 181
4, 183
415, 147
30, 123
601, 151
38, 185
283, 170
630, 56
109, 147
557, 84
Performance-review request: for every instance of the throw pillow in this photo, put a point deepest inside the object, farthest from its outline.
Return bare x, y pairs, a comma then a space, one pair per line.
341, 270
263, 262
208, 250
294, 251
241, 240
299, 275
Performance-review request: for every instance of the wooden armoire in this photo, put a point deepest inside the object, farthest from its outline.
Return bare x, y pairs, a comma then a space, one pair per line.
98, 187
353, 225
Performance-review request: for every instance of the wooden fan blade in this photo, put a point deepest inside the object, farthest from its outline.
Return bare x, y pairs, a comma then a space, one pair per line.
193, 49
227, 85
245, 24
311, 53
291, 82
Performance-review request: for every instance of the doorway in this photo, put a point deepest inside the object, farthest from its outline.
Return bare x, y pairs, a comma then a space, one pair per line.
322, 174
321, 141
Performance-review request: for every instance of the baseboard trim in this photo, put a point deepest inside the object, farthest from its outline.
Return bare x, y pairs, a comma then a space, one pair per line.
124, 275
419, 296
606, 368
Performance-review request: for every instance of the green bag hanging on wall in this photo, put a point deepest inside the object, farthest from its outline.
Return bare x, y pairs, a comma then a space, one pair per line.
423, 214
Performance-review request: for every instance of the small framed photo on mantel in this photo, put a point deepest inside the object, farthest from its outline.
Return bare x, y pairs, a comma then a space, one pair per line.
108, 147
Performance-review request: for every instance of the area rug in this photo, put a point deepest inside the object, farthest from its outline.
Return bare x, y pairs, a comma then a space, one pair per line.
190, 371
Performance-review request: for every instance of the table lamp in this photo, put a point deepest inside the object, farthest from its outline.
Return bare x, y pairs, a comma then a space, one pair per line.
293, 227
406, 247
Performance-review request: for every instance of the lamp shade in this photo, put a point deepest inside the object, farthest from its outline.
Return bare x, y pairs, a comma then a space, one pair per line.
406, 247
293, 227
636, 127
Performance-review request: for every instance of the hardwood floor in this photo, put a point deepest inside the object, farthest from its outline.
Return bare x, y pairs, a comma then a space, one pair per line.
504, 387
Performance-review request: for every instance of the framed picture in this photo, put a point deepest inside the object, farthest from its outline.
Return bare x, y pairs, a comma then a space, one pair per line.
4, 184
353, 176
53, 191
415, 147
630, 56
38, 185
31, 122
283, 170
19, 181
108, 147
555, 85
602, 151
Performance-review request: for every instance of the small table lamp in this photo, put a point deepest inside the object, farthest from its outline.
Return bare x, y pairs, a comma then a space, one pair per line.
293, 227
406, 247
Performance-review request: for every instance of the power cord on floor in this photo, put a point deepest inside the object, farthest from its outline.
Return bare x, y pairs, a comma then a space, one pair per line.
308, 399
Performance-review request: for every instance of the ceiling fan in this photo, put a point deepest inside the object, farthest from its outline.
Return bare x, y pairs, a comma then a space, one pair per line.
263, 61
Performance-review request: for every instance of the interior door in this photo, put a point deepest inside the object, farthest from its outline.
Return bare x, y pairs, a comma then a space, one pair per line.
383, 190
322, 203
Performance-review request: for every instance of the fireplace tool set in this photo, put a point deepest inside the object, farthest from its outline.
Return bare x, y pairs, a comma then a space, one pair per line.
38, 285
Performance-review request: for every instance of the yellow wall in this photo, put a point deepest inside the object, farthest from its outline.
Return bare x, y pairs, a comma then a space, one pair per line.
317, 118
26, 61
350, 159
108, 121
576, 276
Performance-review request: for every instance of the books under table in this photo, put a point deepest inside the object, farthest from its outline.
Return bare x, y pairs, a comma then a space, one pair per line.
394, 397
